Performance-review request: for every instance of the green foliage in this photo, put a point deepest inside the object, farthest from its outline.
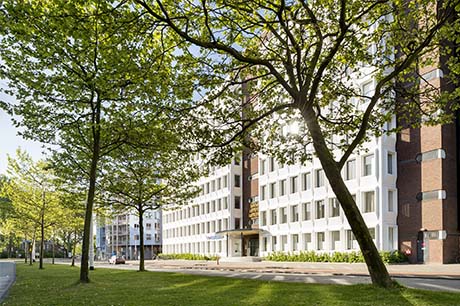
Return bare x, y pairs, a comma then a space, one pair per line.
187, 256
350, 257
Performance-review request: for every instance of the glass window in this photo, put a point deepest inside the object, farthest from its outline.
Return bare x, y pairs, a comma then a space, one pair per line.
273, 216
372, 232
350, 170
368, 89
272, 190
237, 180
263, 192
284, 242
294, 213
334, 208
272, 164
263, 218
283, 214
295, 242
274, 243
335, 240
391, 200
225, 181
294, 184
320, 209
351, 240
306, 211
391, 238
319, 178
307, 241
367, 164
320, 237
262, 166
306, 181
225, 200
282, 187
237, 222
369, 202
390, 163
237, 203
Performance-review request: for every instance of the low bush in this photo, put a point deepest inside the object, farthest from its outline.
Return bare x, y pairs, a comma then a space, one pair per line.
350, 257
187, 256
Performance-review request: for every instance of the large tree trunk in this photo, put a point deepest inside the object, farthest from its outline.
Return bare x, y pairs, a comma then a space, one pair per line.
73, 248
84, 274
53, 250
141, 240
32, 249
375, 265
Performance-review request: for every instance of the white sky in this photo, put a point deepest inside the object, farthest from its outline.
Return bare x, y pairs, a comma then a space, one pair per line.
10, 140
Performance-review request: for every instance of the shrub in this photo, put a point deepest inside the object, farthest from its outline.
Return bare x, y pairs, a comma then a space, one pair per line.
350, 257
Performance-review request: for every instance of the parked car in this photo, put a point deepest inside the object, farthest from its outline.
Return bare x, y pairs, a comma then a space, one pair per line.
114, 260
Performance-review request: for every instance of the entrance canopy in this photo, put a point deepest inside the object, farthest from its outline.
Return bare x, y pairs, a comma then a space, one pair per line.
240, 232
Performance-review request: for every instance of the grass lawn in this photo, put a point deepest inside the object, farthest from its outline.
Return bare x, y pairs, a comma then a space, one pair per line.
57, 285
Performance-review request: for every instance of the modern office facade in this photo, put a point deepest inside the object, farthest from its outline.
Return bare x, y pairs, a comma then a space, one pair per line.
119, 235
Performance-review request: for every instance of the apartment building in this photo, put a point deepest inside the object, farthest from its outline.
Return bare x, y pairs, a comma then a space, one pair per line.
119, 235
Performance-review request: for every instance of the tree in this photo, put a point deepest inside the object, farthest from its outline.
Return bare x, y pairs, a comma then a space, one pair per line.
145, 179
32, 195
299, 61
80, 72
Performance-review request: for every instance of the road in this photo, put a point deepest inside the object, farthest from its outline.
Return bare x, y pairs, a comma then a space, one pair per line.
436, 284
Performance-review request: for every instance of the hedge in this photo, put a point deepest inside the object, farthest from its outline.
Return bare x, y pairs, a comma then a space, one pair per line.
350, 257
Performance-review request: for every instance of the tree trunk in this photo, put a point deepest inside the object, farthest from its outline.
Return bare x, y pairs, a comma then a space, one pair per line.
32, 250
42, 242
141, 240
84, 274
26, 249
74, 246
53, 250
375, 265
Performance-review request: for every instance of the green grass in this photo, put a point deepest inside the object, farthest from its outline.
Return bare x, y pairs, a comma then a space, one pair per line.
56, 285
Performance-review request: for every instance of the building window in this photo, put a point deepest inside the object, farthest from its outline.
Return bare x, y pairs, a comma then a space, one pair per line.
219, 183
320, 209
369, 202
271, 164
262, 166
237, 202
294, 184
157, 237
368, 89
207, 188
219, 204
390, 163
372, 232
294, 213
148, 226
334, 208
391, 205
306, 181
273, 217
335, 240
391, 238
320, 237
283, 215
207, 207
136, 237
237, 223
148, 237
295, 242
367, 164
237, 161
274, 243
307, 241
136, 225
351, 240
225, 181
350, 170
213, 185
282, 187
263, 218
319, 178
272, 190
306, 211
237, 180
263, 192
284, 242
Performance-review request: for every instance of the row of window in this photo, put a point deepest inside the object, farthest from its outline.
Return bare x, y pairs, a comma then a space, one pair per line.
203, 247
148, 226
349, 173
200, 228
201, 209
280, 242
316, 211
216, 184
148, 237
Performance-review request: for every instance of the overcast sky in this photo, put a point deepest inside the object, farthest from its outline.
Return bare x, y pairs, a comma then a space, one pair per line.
9, 139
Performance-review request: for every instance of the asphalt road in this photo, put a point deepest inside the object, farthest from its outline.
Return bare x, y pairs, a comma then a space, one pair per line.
436, 284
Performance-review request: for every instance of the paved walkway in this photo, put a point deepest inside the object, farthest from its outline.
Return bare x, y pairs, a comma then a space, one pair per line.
7, 277
449, 271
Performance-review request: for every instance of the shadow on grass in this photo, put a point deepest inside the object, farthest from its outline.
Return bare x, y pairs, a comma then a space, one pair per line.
58, 286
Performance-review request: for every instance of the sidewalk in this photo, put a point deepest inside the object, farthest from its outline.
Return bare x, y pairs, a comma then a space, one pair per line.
448, 271
7, 277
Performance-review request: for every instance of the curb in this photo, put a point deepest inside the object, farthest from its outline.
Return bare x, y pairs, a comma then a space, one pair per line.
11, 279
